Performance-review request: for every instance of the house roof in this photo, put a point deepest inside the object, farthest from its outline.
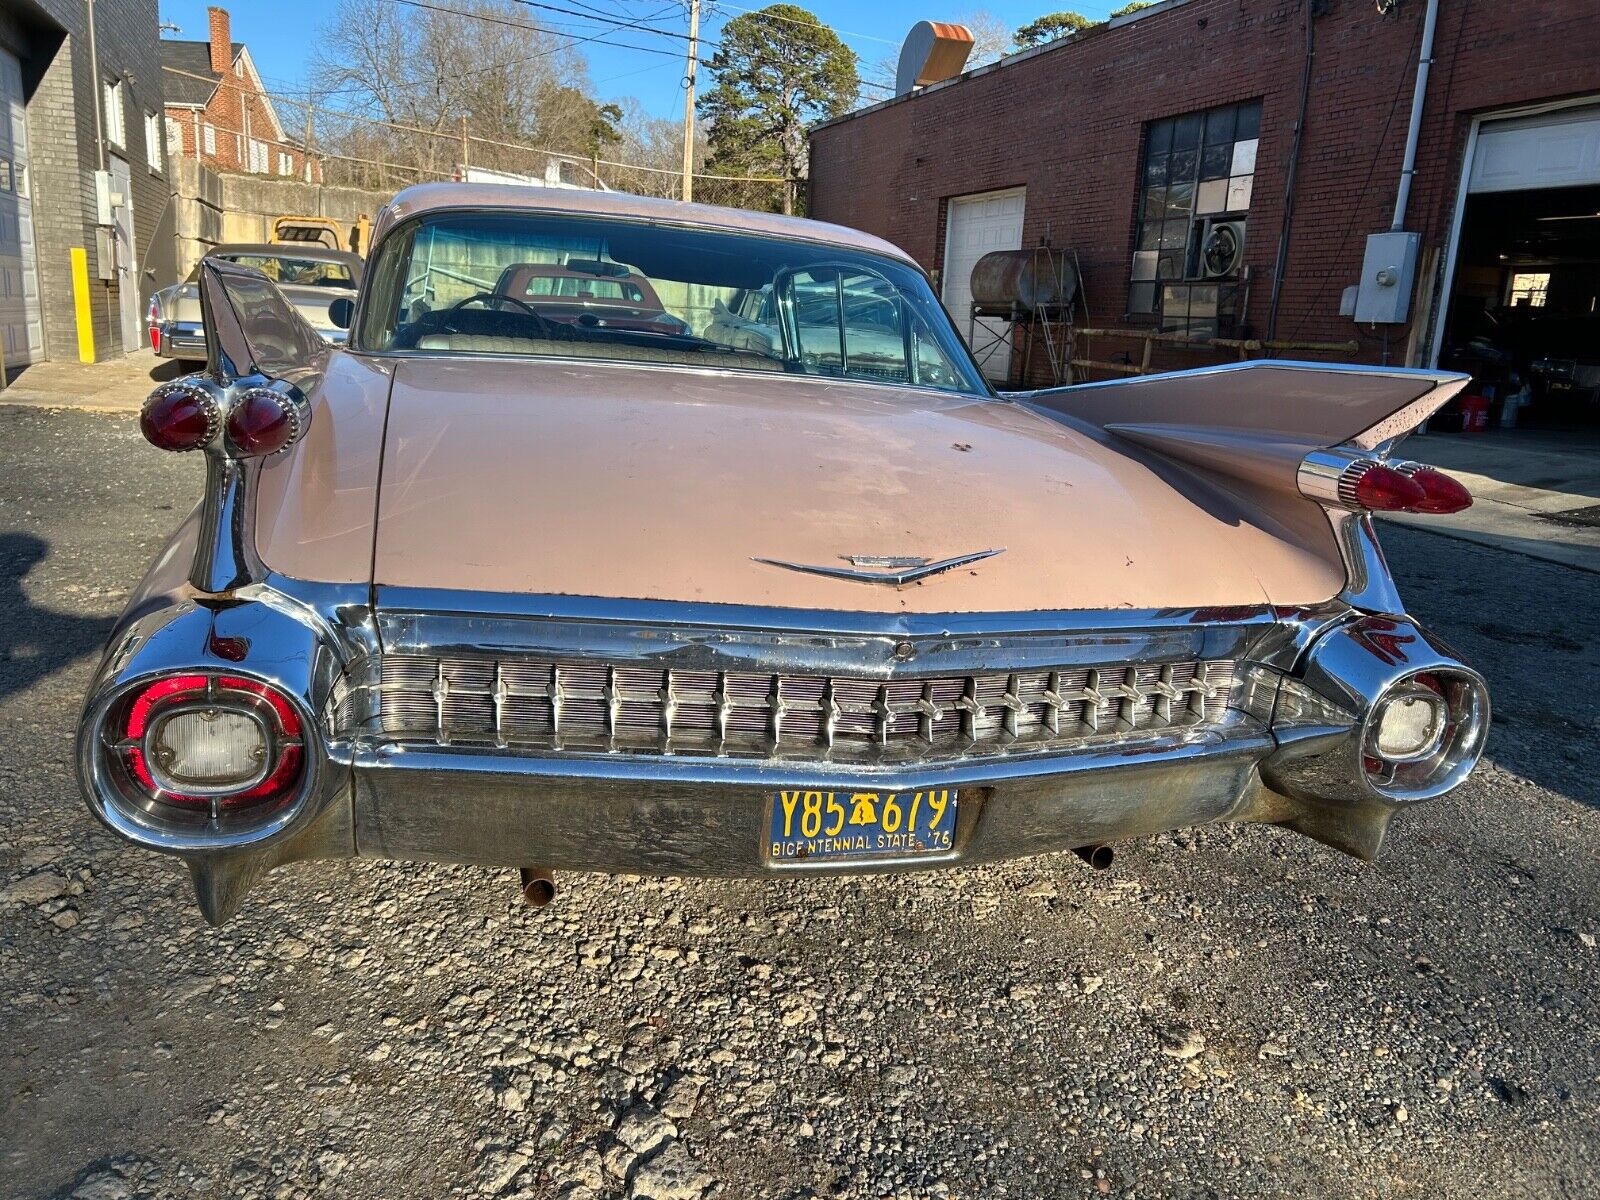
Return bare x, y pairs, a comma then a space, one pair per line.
191, 59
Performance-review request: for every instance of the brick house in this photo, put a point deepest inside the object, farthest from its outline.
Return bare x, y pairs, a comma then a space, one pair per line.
218, 111
86, 232
1158, 147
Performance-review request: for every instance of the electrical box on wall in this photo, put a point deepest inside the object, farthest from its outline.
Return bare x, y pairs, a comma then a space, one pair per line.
1388, 276
102, 197
105, 253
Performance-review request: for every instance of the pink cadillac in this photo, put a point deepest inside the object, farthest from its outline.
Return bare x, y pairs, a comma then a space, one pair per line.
487, 586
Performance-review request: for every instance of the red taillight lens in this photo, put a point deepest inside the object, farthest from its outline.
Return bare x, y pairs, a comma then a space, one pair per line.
178, 417
155, 337
1440, 493
262, 422
1384, 489
243, 740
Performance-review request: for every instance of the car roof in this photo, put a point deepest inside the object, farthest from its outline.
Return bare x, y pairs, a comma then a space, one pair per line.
433, 197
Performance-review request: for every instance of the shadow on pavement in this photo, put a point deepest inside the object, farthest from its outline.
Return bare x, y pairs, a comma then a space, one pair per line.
36, 642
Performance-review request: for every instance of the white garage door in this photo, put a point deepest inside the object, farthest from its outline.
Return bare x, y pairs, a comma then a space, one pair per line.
21, 326
1559, 149
974, 226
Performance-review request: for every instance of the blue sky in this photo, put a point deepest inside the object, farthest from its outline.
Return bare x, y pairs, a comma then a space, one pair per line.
276, 34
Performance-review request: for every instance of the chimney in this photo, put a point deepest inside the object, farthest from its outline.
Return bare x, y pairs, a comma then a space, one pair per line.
221, 41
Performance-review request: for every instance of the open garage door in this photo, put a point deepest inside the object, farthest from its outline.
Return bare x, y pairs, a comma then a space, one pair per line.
21, 322
1524, 307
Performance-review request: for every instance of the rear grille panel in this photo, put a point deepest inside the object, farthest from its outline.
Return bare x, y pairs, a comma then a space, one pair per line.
581, 706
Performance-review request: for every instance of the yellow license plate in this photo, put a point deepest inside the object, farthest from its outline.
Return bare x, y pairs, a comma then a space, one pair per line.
819, 826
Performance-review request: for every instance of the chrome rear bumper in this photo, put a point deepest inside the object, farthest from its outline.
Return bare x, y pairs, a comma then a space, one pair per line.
1290, 745
706, 817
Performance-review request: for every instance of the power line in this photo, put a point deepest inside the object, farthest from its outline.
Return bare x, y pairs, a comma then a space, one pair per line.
299, 102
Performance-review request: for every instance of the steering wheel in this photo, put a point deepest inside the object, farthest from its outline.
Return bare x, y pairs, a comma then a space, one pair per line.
546, 326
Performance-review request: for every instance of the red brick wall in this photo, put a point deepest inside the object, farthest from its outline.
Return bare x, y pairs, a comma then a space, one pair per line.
1068, 123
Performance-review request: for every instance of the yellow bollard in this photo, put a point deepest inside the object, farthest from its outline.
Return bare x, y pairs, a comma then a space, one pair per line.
80, 303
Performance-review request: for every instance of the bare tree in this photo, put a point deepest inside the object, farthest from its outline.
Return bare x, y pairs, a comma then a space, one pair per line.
423, 90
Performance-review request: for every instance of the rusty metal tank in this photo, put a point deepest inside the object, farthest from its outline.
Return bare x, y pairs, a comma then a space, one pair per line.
1026, 280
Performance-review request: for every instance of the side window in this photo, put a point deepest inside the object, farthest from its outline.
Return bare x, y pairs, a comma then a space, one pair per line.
856, 324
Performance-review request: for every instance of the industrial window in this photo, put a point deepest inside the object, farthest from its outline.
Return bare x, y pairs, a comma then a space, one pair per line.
208, 138
152, 141
1529, 289
285, 163
1195, 186
116, 121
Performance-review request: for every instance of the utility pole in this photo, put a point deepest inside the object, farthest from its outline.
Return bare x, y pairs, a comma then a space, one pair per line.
310, 106
688, 100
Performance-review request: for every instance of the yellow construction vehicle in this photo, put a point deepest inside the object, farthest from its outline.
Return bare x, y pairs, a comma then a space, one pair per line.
324, 231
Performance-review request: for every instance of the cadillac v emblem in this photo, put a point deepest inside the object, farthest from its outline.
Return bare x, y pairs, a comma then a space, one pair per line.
872, 568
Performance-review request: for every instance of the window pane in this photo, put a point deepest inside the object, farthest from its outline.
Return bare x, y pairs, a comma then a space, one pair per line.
1249, 125
1186, 132
1150, 235
1155, 201
1215, 162
1155, 170
1219, 126
1183, 164
1239, 191
1180, 200
1175, 235
1170, 265
1144, 264
1160, 137
1213, 197
1244, 158
1142, 298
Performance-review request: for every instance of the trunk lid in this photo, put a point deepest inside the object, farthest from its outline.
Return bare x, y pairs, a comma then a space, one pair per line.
624, 481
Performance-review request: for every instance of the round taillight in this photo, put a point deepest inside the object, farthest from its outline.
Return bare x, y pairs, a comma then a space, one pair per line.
217, 743
179, 416
1384, 489
263, 422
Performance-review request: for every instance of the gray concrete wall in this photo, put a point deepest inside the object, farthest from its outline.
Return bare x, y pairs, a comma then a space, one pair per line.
212, 208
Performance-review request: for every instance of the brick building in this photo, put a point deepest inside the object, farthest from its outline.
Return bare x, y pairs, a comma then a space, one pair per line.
85, 230
218, 111
1158, 148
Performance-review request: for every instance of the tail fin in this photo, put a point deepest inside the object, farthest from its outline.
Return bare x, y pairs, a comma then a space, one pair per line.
1257, 421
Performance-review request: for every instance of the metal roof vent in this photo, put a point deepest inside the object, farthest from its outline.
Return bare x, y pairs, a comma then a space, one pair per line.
933, 52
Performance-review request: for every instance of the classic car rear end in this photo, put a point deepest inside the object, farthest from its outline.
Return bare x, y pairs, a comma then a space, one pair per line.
484, 587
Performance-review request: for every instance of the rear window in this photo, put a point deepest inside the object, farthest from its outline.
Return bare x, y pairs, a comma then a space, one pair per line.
582, 288
484, 283
289, 270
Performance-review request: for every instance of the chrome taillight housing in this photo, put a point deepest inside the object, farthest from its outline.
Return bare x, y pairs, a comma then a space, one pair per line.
206, 747
1425, 733
1363, 483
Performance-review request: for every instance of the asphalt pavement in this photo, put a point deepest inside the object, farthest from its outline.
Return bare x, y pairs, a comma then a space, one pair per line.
1227, 1012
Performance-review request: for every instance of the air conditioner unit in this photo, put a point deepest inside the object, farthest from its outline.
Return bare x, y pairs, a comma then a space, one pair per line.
1221, 249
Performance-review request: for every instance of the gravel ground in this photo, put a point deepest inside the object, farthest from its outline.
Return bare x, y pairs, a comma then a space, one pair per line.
1227, 1012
